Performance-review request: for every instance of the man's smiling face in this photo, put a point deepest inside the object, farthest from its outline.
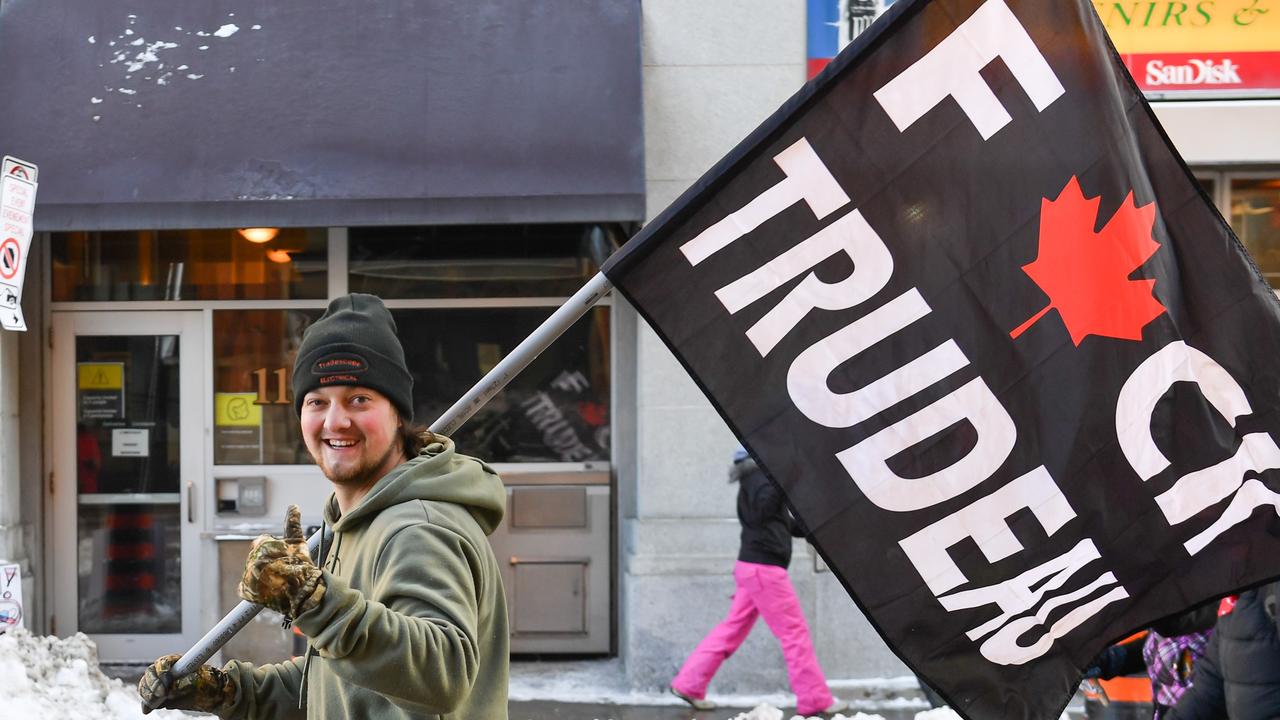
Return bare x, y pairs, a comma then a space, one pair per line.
352, 433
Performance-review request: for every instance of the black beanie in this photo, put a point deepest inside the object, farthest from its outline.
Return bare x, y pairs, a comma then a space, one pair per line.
354, 343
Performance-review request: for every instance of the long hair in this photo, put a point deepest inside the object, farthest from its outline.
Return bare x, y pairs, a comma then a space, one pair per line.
415, 437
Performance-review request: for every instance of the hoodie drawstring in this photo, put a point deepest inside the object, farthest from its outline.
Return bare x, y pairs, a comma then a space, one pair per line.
306, 663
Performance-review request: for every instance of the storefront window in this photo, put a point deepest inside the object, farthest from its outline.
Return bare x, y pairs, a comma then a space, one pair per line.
253, 418
1255, 217
477, 261
226, 264
556, 410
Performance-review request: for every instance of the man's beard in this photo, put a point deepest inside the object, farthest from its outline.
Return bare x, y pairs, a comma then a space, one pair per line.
360, 475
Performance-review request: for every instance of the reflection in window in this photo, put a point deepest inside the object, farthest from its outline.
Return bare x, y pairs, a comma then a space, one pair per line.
253, 418
127, 438
249, 264
1255, 217
474, 261
127, 482
129, 568
556, 410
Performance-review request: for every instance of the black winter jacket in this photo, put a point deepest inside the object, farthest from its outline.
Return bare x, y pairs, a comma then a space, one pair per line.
767, 525
1239, 676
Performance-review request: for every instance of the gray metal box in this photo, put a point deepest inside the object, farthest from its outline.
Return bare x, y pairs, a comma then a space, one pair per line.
555, 549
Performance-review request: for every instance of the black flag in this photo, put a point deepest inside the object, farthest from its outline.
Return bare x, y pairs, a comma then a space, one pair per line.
972, 313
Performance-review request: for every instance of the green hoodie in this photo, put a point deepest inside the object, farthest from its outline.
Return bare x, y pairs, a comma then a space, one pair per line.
413, 623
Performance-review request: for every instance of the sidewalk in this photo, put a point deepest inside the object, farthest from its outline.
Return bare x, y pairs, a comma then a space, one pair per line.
595, 690
542, 710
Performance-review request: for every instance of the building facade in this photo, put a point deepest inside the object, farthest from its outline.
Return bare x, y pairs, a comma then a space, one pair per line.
185, 239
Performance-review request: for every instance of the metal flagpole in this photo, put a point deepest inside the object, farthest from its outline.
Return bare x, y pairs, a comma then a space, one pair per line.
462, 410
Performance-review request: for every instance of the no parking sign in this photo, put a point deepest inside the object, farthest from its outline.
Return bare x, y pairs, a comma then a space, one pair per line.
17, 204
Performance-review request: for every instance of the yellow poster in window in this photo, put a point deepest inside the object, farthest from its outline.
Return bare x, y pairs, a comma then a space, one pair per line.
100, 376
236, 410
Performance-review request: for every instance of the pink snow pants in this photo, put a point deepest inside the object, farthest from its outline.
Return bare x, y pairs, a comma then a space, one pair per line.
762, 591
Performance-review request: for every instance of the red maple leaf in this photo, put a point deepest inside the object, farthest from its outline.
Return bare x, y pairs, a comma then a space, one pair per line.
1086, 274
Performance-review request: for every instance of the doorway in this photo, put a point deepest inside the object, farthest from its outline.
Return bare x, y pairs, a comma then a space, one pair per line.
127, 451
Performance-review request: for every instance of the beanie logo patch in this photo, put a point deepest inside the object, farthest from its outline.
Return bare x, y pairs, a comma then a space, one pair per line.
339, 363
338, 379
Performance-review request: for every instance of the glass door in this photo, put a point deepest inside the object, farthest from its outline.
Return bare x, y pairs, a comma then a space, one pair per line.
128, 463
1255, 216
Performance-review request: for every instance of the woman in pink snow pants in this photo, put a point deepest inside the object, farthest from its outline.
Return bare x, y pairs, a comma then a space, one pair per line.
763, 590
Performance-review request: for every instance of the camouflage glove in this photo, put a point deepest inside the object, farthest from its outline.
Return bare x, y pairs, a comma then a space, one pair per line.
279, 572
208, 689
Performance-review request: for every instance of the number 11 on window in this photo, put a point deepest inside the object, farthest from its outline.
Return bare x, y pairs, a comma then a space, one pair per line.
261, 375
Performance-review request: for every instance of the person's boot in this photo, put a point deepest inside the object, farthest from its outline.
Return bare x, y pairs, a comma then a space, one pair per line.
837, 705
695, 703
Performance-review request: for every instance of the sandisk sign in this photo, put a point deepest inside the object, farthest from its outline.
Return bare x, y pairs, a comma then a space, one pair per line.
1194, 72
1202, 71
1223, 48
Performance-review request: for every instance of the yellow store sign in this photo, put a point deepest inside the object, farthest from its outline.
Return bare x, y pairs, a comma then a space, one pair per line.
1220, 47
1150, 27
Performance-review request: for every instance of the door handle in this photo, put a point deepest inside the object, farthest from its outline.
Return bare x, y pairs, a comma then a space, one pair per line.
191, 501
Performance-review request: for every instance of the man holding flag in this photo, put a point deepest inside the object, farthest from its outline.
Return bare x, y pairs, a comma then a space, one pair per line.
405, 616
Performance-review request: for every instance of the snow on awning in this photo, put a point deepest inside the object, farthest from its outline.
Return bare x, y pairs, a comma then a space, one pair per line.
146, 113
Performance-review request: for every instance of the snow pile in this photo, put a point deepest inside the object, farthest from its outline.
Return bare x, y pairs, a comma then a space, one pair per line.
942, 713
946, 713
48, 677
768, 712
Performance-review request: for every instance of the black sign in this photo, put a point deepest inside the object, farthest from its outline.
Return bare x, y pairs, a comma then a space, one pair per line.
971, 312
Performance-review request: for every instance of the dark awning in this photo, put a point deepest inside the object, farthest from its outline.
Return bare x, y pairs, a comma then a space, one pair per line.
150, 113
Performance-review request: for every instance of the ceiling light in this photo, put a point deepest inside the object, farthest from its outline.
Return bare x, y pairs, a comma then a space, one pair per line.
259, 235
278, 256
